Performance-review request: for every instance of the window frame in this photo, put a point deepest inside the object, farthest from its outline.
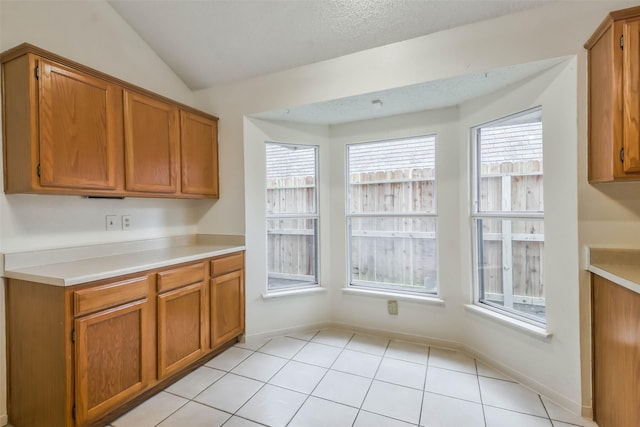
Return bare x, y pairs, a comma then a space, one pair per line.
477, 214
380, 286
302, 285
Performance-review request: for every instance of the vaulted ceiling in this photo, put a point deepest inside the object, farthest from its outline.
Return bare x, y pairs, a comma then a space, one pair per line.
212, 42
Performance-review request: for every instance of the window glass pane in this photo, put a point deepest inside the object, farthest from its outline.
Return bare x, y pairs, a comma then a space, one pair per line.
292, 215
510, 265
392, 176
510, 164
292, 248
291, 179
397, 253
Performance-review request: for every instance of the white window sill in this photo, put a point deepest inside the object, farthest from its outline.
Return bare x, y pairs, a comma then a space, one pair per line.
519, 325
431, 300
293, 292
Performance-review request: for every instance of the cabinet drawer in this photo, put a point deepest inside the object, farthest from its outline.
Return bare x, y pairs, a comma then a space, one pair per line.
177, 277
109, 295
227, 264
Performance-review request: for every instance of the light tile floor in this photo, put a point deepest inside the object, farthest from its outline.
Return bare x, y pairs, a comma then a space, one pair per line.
335, 378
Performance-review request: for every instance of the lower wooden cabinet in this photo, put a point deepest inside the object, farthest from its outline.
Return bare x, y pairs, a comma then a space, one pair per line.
182, 321
113, 356
227, 298
76, 355
616, 354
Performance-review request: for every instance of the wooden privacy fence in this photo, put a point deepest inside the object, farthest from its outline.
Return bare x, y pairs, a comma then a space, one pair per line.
401, 250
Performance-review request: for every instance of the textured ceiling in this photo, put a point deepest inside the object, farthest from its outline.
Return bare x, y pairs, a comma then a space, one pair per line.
409, 99
214, 42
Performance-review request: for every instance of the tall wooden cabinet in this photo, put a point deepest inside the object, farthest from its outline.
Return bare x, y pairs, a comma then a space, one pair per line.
77, 355
614, 98
69, 129
616, 354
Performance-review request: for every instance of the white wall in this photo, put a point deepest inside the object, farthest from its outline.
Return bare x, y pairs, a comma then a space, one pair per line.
91, 33
546, 32
553, 366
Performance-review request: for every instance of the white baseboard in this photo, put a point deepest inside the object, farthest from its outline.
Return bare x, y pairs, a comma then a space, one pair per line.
4, 420
531, 383
284, 331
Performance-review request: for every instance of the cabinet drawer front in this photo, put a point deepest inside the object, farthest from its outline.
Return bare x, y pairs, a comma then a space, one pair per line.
109, 295
227, 264
182, 276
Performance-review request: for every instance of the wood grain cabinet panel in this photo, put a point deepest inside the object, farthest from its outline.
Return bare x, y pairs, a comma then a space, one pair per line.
227, 307
113, 353
62, 129
614, 98
152, 138
79, 128
183, 310
616, 354
199, 154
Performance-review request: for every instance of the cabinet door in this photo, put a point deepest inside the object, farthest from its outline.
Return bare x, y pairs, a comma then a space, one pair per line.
182, 337
113, 353
631, 78
199, 154
152, 136
80, 123
227, 307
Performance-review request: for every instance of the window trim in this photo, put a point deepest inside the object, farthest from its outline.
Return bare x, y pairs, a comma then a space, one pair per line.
312, 284
375, 288
498, 311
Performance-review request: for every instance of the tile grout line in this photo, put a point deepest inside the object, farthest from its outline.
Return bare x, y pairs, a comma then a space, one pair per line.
484, 415
424, 385
371, 384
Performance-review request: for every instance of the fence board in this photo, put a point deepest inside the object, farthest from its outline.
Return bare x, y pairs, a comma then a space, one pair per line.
403, 250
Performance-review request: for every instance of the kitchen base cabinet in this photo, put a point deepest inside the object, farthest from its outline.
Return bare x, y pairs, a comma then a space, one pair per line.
616, 354
182, 316
39, 355
227, 298
82, 355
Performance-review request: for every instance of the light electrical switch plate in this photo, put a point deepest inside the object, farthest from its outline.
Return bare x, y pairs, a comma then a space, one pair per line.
392, 306
126, 222
112, 222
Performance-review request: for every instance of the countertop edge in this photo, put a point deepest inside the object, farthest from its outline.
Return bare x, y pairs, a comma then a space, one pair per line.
605, 272
31, 274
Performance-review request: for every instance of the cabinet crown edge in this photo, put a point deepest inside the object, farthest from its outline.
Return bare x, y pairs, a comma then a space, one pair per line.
27, 48
611, 17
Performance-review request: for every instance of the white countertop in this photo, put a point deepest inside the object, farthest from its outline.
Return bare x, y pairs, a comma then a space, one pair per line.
620, 266
72, 266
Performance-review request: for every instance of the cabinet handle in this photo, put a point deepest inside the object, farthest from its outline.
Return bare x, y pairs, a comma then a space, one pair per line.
622, 155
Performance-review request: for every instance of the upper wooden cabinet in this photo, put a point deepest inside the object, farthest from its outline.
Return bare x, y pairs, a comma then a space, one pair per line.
152, 140
69, 129
614, 99
199, 154
62, 129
